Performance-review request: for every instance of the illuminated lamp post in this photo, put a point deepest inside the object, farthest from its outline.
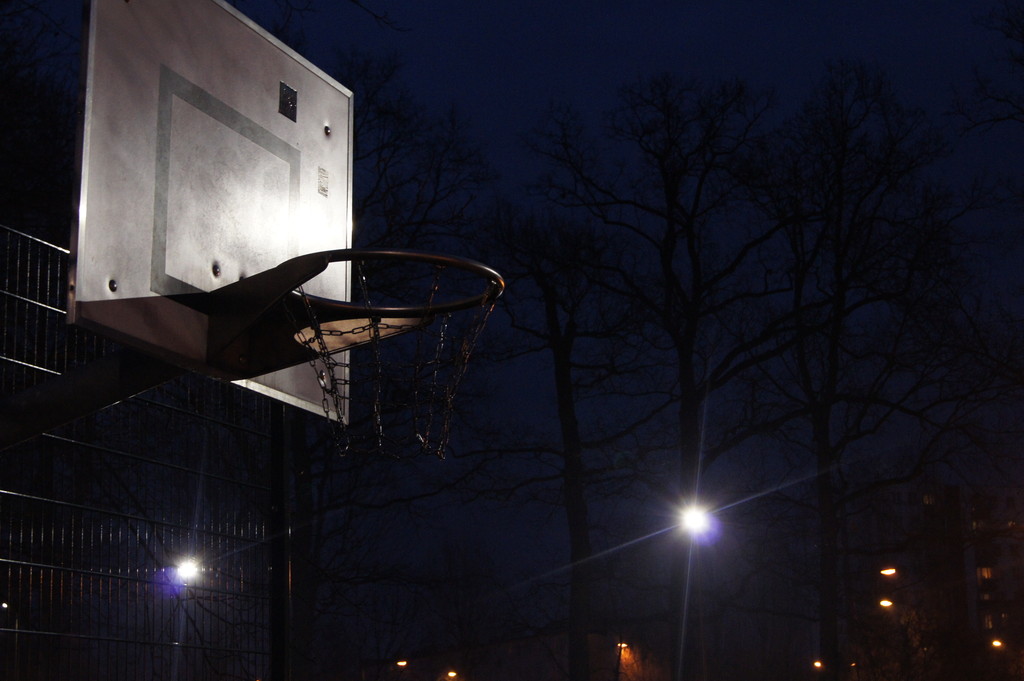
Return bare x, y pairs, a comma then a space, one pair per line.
621, 645
185, 574
695, 520
187, 570
698, 524
6, 607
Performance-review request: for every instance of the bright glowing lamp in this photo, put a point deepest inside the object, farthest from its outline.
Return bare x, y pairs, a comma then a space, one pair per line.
187, 570
696, 520
885, 603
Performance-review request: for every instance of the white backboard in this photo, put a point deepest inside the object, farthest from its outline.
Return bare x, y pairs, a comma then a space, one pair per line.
210, 152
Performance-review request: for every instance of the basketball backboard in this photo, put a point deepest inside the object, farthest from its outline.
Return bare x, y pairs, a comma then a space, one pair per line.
210, 152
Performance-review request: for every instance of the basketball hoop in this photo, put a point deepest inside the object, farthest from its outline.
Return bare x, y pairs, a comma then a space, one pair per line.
395, 397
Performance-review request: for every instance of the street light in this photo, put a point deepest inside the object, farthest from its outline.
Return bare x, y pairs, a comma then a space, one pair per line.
187, 570
622, 645
695, 520
17, 647
700, 527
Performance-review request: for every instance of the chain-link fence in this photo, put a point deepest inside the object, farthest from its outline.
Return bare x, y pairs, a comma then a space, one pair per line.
96, 516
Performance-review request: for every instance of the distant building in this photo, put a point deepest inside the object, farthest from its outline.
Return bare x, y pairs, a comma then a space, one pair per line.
935, 578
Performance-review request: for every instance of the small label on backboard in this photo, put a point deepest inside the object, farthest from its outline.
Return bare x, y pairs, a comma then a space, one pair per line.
321, 181
288, 101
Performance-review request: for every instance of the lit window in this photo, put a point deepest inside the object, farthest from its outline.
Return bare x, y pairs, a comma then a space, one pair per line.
986, 621
984, 573
928, 499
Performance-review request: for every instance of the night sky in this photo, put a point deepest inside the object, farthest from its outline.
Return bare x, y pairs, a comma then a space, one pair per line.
502, 63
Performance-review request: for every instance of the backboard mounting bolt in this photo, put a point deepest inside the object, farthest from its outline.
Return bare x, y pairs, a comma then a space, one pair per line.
112, 285
216, 269
327, 130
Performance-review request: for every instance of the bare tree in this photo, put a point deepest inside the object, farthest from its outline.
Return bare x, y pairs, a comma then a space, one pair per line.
585, 341
418, 174
998, 100
878, 381
663, 180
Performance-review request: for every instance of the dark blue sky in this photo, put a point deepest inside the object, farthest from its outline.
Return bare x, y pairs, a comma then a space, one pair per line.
501, 63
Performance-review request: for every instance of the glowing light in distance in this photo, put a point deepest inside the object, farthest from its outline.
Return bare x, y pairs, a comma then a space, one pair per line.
818, 664
695, 520
187, 569
888, 572
401, 663
623, 645
452, 674
885, 603
996, 643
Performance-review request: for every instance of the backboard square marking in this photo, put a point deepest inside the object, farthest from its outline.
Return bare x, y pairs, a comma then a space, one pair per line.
216, 171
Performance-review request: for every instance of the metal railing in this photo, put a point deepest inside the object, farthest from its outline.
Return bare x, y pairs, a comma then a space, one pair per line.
96, 515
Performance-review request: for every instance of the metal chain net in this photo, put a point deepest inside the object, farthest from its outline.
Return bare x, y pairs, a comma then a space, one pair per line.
395, 394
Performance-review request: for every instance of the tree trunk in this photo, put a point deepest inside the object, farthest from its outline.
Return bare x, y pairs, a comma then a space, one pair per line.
573, 491
828, 605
